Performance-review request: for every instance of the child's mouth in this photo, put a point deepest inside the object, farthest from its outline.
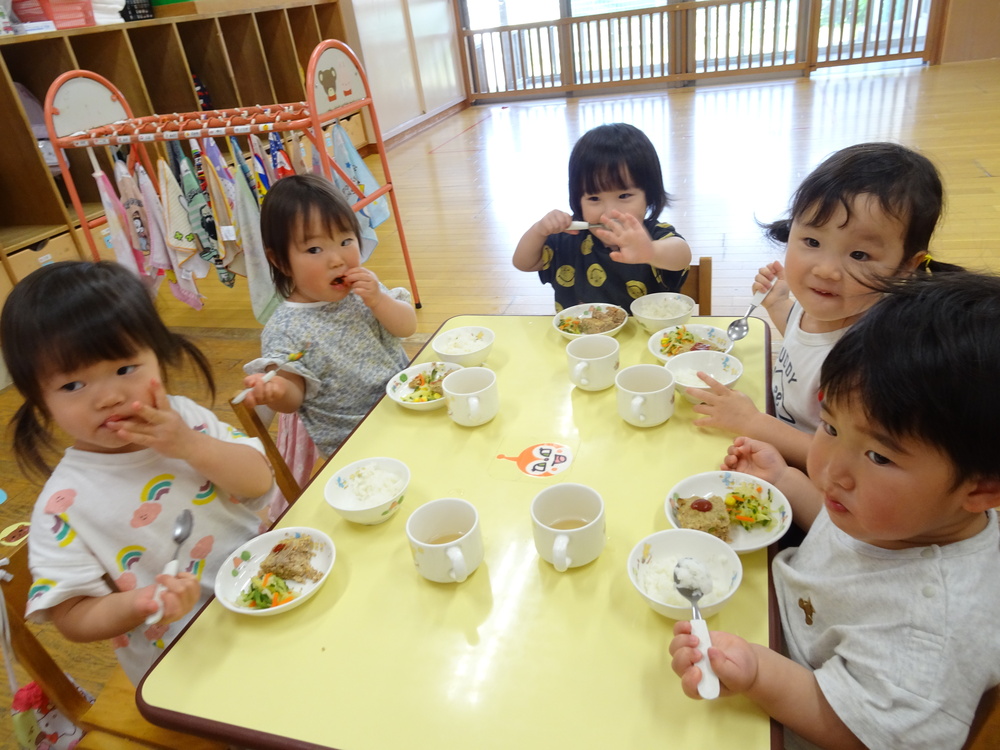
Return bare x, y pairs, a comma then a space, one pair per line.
339, 281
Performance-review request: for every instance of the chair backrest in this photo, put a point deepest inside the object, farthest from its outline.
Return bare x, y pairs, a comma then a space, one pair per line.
255, 423
698, 284
29, 651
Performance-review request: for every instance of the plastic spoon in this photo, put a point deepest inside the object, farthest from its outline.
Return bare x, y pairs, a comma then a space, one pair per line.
693, 581
739, 328
269, 375
584, 225
182, 530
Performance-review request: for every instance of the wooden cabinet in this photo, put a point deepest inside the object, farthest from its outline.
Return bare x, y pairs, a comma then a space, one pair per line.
242, 58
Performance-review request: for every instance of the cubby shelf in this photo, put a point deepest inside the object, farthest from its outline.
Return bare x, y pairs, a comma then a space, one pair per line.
241, 57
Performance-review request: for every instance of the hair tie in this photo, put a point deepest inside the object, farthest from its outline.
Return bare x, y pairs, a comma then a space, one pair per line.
926, 262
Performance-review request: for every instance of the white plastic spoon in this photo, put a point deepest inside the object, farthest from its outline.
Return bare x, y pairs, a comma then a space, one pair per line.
693, 581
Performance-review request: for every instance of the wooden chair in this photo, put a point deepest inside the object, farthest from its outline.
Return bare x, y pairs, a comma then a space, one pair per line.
985, 732
698, 284
256, 425
113, 720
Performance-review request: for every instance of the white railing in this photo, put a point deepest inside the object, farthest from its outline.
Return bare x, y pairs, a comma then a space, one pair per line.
690, 40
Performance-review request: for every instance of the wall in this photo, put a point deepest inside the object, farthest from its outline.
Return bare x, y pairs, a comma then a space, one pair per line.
972, 31
410, 54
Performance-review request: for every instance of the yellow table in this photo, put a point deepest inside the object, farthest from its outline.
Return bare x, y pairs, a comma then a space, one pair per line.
518, 656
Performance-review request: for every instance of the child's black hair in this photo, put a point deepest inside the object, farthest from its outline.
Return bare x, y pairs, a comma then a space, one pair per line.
70, 315
906, 185
923, 363
286, 212
613, 157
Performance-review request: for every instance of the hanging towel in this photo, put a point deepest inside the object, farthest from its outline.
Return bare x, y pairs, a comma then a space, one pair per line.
219, 180
200, 215
264, 299
114, 213
237, 155
135, 212
261, 166
295, 153
180, 282
180, 237
279, 159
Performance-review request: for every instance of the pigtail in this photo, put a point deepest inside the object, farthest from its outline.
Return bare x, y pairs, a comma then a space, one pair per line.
777, 231
931, 266
31, 439
197, 357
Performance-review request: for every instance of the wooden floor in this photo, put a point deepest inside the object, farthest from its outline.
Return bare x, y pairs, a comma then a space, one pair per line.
732, 154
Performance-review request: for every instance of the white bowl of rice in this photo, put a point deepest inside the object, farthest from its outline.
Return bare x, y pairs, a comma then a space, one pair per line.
368, 491
468, 346
662, 309
685, 368
651, 569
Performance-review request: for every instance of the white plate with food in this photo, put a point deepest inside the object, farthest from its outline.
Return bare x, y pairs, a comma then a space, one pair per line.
583, 320
419, 387
745, 511
691, 337
275, 572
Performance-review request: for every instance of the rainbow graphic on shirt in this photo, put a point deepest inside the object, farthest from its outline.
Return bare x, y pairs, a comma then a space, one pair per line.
206, 494
62, 531
196, 568
157, 488
40, 587
129, 556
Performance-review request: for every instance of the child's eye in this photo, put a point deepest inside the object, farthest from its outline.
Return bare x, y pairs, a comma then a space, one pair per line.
859, 255
877, 458
591, 198
314, 250
811, 242
828, 428
70, 387
126, 369
625, 196
348, 241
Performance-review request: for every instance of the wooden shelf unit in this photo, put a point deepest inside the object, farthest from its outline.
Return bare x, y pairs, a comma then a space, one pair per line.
242, 57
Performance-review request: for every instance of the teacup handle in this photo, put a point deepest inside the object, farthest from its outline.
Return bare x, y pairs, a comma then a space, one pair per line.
560, 560
637, 403
578, 370
459, 571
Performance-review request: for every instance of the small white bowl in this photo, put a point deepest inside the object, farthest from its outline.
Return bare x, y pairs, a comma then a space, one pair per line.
243, 564
685, 368
401, 384
585, 311
341, 492
651, 570
468, 346
643, 310
720, 484
710, 336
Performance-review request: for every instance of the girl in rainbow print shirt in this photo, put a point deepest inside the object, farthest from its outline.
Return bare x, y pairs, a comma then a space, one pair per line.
86, 349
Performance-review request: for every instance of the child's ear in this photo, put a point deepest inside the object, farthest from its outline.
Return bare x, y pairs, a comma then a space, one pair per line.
983, 495
914, 263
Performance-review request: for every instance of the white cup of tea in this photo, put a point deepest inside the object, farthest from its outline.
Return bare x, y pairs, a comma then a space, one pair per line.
645, 395
568, 524
445, 539
593, 362
471, 395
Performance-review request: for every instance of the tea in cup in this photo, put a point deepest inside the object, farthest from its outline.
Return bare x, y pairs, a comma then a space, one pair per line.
445, 539
471, 395
568, 524
593, 362
645, 395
